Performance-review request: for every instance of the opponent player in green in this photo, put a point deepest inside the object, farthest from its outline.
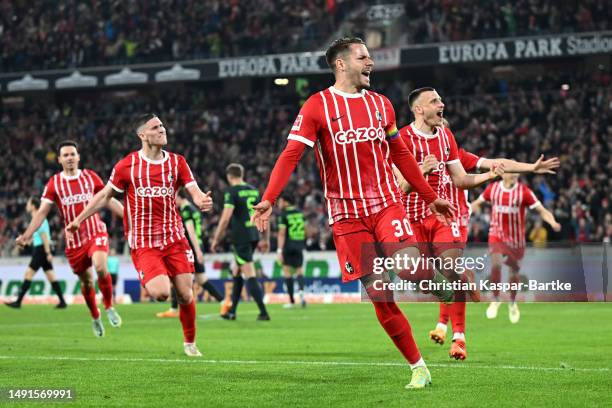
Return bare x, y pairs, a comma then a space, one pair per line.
238, 208
291, 245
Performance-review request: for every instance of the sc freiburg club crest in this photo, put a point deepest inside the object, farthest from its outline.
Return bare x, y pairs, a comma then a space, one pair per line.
348, 267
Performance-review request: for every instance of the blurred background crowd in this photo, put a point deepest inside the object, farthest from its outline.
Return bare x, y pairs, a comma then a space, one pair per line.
556, 112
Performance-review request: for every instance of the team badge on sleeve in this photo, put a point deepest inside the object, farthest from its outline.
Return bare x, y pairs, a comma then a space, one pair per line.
297, 124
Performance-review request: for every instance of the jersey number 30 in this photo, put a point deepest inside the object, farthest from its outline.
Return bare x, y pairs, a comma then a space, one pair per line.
399, 231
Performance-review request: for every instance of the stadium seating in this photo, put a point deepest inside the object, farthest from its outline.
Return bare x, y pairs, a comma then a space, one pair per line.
44, 34
47, 35
455, 20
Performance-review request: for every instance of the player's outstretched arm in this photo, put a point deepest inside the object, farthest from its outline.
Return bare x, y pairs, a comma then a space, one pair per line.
540, 166
116, 207
100, 200
548, 218
286, 163
465, 181
226, 216
37, 220
201, 200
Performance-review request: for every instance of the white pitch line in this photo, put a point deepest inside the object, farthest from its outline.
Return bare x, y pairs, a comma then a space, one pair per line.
290, 362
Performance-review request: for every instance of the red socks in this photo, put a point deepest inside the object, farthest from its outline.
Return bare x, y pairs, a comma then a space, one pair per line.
106, 288
90, 299
187, 314
444, 313
397, 327
454, 311
457, 312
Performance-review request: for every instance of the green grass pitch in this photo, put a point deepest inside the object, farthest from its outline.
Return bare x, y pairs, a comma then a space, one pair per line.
324, 355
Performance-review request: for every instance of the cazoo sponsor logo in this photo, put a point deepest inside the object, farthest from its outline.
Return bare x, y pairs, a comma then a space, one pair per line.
364, 134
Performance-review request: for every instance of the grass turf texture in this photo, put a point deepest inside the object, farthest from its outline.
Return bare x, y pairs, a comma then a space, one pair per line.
324, 355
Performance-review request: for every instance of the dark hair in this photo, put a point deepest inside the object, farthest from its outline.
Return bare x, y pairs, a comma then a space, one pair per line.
35, 200
235, 170
67, 143
288, 197
141, 120
414, 95
181, 193
340, 46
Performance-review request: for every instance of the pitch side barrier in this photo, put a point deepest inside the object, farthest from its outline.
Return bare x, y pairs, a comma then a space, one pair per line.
560, 272
499, 50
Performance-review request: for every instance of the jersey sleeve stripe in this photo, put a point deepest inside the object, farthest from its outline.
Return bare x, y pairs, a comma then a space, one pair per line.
534, 205
46, 200
479, 162
191, 183
117, 189
302, 139
453, 161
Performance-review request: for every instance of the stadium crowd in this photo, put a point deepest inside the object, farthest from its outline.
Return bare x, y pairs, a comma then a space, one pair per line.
45, 34
489, 117
457, 20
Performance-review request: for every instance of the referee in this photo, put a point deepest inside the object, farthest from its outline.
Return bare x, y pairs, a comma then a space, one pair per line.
41, 258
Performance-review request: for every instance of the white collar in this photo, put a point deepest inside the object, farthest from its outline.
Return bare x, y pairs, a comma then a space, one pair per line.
76, 176
346, 94
423, 134
160, 161
507, 190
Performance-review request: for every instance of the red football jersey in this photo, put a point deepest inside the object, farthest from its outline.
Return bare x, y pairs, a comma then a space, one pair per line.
151, 219
442, 144
71, 194
348, 132
508, 211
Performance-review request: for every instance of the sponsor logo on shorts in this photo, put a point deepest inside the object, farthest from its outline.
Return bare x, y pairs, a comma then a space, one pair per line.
189, 254
76, 199
155, 191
